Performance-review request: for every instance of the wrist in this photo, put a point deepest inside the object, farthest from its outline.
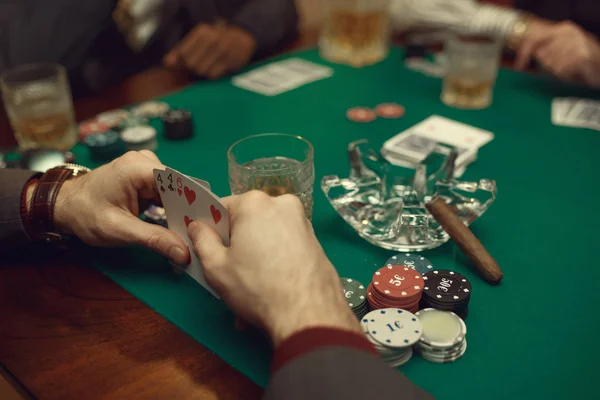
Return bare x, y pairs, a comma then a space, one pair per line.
62, 219
328, 309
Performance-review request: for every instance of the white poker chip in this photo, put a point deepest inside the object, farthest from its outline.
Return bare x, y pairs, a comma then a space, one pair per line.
441, 329
151, 109
393, 327
138, 134
113, 118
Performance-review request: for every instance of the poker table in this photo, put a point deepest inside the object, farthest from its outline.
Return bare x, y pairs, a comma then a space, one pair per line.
72, 328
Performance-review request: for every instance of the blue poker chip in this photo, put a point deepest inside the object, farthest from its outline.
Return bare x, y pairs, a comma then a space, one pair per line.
414, 261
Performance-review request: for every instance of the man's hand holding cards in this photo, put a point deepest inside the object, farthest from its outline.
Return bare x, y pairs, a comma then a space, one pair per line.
185, 200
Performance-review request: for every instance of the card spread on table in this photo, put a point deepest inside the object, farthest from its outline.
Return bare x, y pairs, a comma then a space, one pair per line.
281, 76
575, 112
188, 199
436, 134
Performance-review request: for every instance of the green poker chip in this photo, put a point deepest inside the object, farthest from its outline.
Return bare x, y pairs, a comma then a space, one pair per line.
356, 295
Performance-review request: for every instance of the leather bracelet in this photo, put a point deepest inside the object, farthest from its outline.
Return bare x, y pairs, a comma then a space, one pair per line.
40, 222
23, 206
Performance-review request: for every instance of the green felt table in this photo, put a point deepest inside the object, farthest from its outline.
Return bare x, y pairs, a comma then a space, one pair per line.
533, 336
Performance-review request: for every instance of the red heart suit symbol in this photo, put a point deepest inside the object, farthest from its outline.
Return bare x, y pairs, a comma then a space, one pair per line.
187, 221
190, 195
179, 191
216, 214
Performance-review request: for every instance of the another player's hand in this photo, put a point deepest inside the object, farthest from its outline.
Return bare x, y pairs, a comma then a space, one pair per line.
213, 51
101, 208
564, 49
275, 273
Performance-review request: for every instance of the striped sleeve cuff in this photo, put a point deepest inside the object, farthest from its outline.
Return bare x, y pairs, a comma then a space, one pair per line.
312, 339
493, 21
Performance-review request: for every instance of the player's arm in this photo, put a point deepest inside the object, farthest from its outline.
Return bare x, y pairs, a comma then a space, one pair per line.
14, 186
462, 16
335, 364
276, 276
100, 208
271, 22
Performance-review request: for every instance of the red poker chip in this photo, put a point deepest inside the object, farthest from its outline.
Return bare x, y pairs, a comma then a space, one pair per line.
90, 127
390, 110
361, 114
394, 281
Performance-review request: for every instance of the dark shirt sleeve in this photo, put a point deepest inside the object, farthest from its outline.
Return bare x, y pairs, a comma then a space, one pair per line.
334, 364
12, 232
271, 22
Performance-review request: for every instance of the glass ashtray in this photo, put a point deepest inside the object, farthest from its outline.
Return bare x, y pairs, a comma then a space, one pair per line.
380, 202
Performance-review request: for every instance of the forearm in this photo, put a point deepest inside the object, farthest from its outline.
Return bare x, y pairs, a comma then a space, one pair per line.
462, 16
319, 364
12, 230
271, 22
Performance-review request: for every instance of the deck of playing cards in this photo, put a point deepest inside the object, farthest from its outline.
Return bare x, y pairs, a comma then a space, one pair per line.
281, 76
436, 135
574, 112
185, 200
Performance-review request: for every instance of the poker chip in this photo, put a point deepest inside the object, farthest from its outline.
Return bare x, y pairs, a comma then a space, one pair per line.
414, 261
395, 286
155, 215
139, 137
113, 118
447, 291
133, 121
390, 110
90, 127
361, 114
104, 145
178, 124
392, 332
356, 296
443, 339
394, 327
151, 109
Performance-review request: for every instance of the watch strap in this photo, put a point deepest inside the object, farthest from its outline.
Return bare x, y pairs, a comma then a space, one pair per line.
41, 213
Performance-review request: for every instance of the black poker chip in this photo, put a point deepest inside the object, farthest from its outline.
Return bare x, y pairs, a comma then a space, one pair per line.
447, 287
178, 124
446, 290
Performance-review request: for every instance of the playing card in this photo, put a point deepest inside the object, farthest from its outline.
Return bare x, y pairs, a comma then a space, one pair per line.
451, 132
177, 173
184, 201
584, 113
436, 135
410, 146
282, 76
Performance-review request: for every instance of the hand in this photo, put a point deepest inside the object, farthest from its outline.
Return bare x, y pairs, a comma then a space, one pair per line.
213, 50
275, 273
101, 207
564, 49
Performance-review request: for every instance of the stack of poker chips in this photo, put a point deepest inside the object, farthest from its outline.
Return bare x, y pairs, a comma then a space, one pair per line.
139, 137
356, 295
395, 286
414, 261
178, 124
444, 336
447, 291
104, 145
392, 332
